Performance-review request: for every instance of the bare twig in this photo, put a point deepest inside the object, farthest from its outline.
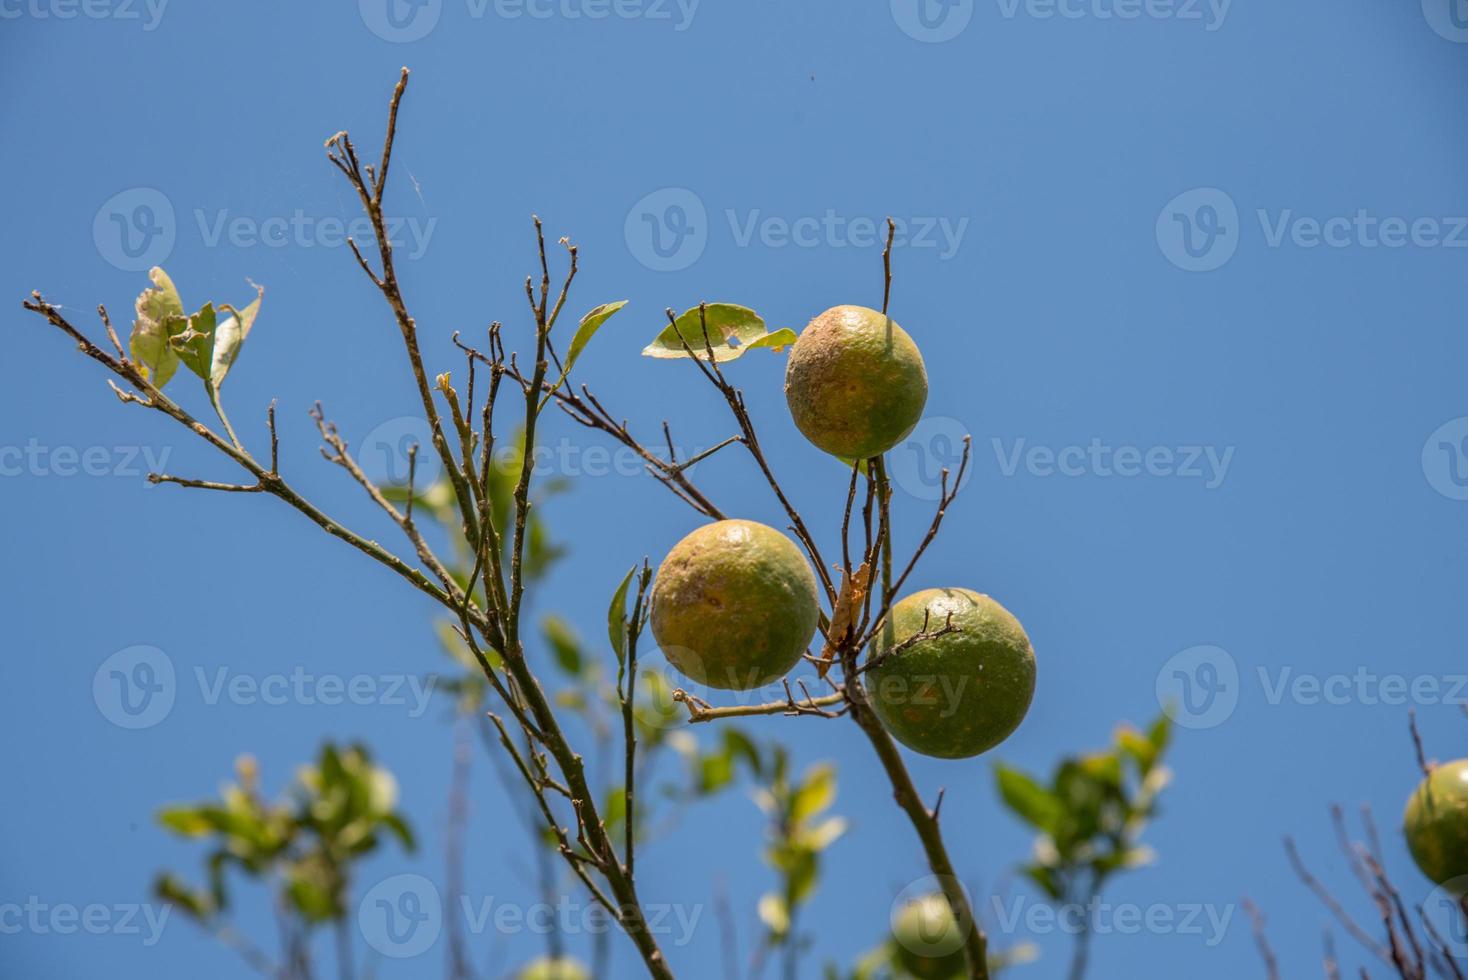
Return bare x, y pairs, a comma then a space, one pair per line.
1256, 920
700, 710
1333, 904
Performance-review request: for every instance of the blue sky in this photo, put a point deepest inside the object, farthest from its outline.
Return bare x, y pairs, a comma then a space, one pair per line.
1190, 273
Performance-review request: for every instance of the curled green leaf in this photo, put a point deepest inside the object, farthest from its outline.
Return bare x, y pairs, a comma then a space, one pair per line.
617, 617
590, 324
157, 308
230, 334
731, 331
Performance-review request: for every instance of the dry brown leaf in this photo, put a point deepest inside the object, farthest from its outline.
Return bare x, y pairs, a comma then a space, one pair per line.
843, 617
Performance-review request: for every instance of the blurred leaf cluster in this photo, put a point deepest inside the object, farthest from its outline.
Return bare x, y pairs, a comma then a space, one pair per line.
799, 831
1092, 813
305, 844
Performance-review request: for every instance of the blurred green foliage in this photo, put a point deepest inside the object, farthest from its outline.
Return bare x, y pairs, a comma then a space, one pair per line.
305, 844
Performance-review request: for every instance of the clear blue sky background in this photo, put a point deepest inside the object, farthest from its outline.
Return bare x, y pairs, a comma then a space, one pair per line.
1062, 316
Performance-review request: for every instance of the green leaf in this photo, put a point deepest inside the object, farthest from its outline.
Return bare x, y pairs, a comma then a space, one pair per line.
194, 345
162, 300
311, 898
195, 903
614, 810
1032, 802
715, 771
186, 820
800, 865
738, 746
824, 834
1138, 746
617, 617
873, 962
817, 792
149, 343
732, 330
590, 324
1160, 733
1104, 767
1045, 878
774, 914
230, 334
1017, 955
400, 830
775, 340
563, 643
152, 352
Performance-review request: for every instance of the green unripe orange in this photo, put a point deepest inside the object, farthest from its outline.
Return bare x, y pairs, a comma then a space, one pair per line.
1436, 824
548, 968
734, 605
956, 694
926, 941
855, 382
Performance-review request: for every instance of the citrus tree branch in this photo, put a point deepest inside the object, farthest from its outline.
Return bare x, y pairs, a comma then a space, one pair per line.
369, 187
267, 480
700, 710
